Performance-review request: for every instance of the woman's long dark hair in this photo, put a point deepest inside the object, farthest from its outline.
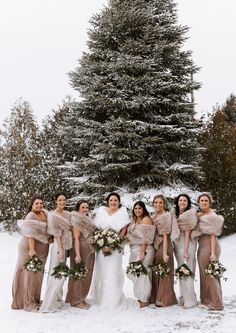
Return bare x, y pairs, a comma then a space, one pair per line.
29, 208
176, 202
142, 205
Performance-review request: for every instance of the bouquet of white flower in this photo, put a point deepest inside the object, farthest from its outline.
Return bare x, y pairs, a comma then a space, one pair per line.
33, 264
183, 272
78, 272
60, 271
215, 269
107, 238
160, 269
136, 268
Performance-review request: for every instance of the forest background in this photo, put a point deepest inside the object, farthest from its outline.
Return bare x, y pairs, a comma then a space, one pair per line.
134, 126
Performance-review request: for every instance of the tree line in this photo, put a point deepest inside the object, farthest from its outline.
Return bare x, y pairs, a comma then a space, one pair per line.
134, 125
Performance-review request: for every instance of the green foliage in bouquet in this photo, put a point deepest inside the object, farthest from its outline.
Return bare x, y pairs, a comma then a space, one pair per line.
215, 269
136, 268
160, 269
107, 238
61, 271
184, 272
78, 272
33, 264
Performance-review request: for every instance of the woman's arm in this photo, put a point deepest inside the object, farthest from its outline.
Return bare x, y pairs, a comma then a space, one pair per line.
60, 251
186, 244
165, 246
123, 232
76, 236
213, 247
143, 251
31, 242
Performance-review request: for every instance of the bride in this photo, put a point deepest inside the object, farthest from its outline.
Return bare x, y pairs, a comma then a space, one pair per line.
108, 278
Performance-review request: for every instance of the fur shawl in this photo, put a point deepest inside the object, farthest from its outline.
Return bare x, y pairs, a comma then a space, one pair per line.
33, 227
163, 226
140, 233
84, 224
116, 221
185, 221
60, 226
208, 224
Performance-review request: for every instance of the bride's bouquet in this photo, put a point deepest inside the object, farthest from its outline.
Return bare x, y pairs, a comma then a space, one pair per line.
78, 272
183, 272
33, 264
136, 268
61, 271
160, 269
215, 269
108, 237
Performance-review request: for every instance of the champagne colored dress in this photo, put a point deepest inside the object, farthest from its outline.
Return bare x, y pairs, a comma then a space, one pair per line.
185, 221
58, 226
26, 288
137, 235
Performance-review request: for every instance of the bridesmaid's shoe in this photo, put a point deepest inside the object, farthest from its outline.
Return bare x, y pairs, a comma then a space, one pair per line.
87, 304
203, 306
82, 306
143, 304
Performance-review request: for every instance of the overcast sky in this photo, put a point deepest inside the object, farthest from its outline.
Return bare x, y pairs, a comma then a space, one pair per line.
42, 40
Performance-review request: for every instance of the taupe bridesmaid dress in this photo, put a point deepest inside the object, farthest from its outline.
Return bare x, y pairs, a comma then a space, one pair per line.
26, 288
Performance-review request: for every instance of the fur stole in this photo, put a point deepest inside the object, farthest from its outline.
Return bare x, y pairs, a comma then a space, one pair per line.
163, 226
33, 227
208, 224
140, 234
186, 221
60, 226
116, 221
84, 224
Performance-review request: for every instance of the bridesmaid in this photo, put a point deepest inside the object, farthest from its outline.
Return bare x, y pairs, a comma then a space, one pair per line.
163, 287
140, 235
184, 219
82, 229
60, 227
209, 227
27, 285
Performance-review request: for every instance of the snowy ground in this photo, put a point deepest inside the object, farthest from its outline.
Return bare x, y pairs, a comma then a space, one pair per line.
147, 320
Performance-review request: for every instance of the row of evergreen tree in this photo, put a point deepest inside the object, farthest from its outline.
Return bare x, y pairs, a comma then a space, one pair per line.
134, 126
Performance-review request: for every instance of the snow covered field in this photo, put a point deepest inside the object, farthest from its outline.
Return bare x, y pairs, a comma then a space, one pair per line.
147, 320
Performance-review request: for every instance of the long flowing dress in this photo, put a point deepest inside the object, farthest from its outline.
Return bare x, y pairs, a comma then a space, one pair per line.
108, 277
210, 288
185, 221
58, 226
137, 235
26, 288
163, 293
79, 289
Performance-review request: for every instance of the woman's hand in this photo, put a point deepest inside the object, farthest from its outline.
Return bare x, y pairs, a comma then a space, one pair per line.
78, 259
106, 249
61, 254
32, 253
142, 256
212, 257
166, 258
186, 255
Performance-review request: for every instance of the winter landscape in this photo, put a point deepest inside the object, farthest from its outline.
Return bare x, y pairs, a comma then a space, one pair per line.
147, 320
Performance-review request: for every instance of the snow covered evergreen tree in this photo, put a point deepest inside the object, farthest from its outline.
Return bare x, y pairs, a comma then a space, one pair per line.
135, 125
55, 152
20, 159
219, 161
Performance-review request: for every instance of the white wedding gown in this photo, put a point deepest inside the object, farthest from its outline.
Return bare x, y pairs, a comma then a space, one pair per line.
108, 277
